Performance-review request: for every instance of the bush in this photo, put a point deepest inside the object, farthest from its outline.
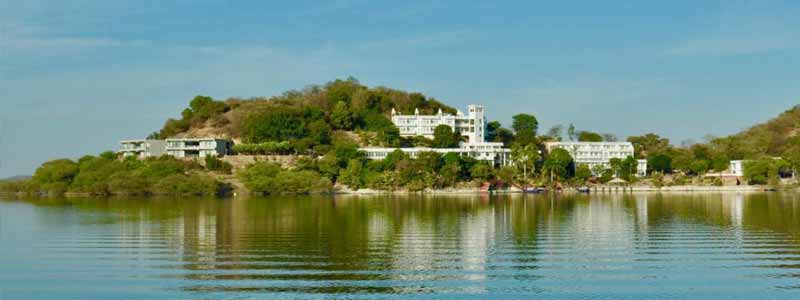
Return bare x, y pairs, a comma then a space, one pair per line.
194, 184
215, 164
265, 148
104, 175
270, 178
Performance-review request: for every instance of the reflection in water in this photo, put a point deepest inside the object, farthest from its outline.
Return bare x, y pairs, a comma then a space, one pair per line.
560, 246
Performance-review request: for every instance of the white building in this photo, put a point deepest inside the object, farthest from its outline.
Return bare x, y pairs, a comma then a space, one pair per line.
142, 148
737, 168
198, 147
495, 154
472, 126
598, 153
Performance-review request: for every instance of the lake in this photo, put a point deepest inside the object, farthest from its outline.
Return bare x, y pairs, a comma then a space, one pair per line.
618, 246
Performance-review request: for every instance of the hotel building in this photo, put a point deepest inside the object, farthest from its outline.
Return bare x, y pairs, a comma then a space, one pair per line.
472, 126
598, 153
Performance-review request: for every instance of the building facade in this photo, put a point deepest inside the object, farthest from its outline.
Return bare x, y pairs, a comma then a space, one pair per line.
494, 154
142, 148
198, 147
596, 154
471, 126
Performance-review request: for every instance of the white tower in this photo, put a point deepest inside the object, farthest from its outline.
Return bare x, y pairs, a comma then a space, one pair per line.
477, 117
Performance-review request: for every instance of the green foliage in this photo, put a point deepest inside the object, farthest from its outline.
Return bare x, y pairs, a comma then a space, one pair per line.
606, 175
660, 163
55, 176
587, 136
525, 127
583, 172
215, 164
270, 178
102, 175
281, 124
201, 108
699, 167
193, 184
648, 145
445, 137
481, 171
341, 117
354, 176
628, 169
524, 158
558, 164
764, 170
771, 138
265, 148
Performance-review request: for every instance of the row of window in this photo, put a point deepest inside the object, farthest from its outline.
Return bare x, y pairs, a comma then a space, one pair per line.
604, 154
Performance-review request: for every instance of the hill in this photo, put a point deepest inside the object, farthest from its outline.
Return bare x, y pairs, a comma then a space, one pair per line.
16, 178
305, 118
772, 138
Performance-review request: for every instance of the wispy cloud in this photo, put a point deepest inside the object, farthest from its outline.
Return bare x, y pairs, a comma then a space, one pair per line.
24, 37
416, 42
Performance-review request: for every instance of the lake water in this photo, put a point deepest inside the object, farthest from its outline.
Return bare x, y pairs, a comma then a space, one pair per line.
641, 246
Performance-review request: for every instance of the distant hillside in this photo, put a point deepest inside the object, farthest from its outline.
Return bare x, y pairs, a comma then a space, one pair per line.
771, 138
17, 178
306, 116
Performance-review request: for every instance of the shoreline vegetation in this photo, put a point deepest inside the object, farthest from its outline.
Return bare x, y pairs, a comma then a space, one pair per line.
306, 142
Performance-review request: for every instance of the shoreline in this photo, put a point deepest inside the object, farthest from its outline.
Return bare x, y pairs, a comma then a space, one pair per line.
470, 191
593, 190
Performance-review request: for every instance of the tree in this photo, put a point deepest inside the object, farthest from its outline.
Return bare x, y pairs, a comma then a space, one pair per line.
481, 171
587, 136
792, 154
525, 127
615, 166
555, 132
491, 130
758, 171
583, 172
525, 156
391, 160
628, 168
389, 136
571, 132
557, 164
698, 167
505, 136
56, 175
608, 137
660, 163
648, 144
353, 176
445, 137
341, 118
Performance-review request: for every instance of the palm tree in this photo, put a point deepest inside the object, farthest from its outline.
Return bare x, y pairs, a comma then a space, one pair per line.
527, 156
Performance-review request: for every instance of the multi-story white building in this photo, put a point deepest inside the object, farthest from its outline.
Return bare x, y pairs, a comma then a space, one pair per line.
142, 148
495, 154
198, 147
598, 153
472, 126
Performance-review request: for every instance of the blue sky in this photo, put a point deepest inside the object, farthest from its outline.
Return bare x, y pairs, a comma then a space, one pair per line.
77, 76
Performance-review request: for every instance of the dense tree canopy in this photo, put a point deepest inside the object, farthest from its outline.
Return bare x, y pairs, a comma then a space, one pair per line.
588, 136
445, 137
525, 127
